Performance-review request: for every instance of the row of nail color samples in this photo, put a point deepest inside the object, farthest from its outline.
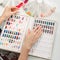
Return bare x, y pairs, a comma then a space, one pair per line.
47, 26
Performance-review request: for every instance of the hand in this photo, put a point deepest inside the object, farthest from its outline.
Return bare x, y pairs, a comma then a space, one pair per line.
32, 37
9, 11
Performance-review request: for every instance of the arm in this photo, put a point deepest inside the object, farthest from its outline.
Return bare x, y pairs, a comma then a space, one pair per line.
24, 53
29, 41
7, 13
2, 18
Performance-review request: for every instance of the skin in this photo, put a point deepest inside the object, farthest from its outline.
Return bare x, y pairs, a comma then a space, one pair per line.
30, 39
31, 36
7, 13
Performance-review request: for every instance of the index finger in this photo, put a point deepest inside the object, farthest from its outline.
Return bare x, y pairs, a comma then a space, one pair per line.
36, 28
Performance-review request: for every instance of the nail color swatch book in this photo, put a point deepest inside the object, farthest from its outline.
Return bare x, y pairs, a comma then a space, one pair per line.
15, 29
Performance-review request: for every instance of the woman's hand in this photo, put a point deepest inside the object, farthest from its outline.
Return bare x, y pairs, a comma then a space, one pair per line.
32, 37
9, 11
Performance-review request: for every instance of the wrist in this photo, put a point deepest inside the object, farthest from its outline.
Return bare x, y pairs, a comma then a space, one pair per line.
27, 46
2, 18
25, 49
